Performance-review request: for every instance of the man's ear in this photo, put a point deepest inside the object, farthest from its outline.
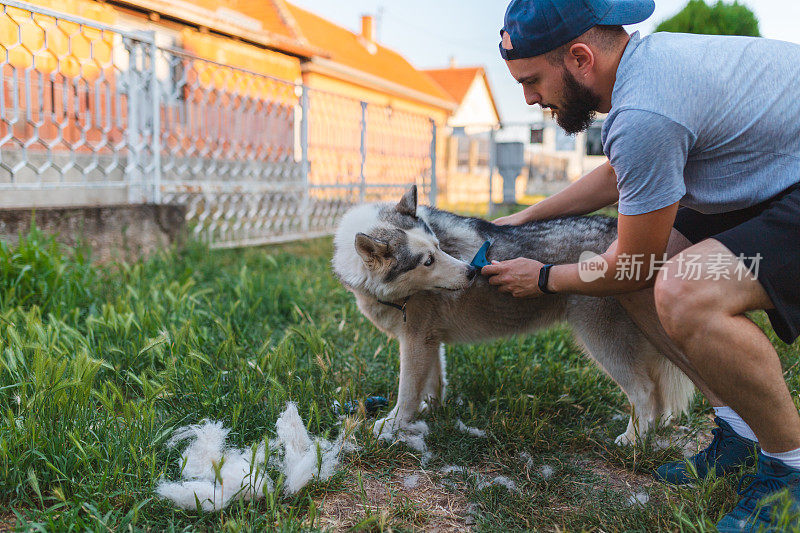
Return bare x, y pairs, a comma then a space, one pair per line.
408, 203
581, 58
372, 251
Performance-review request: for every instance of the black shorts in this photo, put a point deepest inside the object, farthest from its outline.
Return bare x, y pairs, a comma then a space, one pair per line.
771, 229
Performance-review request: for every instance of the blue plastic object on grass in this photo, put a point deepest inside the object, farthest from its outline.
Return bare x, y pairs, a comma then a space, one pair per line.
371, 405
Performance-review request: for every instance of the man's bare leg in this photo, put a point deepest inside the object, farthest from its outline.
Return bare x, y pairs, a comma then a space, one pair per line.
705, 318
641, 308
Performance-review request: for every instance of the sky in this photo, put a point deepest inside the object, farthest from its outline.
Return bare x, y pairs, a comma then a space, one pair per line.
429, 32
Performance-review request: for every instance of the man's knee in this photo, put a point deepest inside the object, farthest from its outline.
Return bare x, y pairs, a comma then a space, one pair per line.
683, 306
671, 294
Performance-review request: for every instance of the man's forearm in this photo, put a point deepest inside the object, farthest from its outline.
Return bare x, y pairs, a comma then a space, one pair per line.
566, 279
629, 264
595, 190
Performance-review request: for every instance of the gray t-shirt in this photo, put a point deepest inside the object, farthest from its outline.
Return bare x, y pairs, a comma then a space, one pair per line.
710, 121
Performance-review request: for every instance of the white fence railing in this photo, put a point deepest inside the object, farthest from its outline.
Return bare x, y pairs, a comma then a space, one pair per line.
256, 159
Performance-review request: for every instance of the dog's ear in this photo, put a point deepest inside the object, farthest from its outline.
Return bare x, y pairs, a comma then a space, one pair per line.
372, 251
408, 203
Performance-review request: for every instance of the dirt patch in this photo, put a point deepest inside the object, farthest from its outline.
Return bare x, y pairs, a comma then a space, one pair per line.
409, 497
636, 484
618, 478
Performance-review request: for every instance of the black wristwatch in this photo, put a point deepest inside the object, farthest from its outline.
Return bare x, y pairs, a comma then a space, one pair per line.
544, 277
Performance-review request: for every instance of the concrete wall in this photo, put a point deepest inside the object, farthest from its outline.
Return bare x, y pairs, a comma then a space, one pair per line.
113, 232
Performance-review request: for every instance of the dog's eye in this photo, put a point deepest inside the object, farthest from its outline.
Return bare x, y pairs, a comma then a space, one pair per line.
429, 262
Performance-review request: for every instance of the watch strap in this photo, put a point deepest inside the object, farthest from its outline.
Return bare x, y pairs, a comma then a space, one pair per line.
544, 277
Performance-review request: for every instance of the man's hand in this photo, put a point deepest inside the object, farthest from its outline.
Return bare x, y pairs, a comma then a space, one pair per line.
511, 220
519, 277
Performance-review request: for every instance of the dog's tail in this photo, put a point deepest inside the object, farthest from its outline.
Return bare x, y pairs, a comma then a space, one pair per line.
676, 389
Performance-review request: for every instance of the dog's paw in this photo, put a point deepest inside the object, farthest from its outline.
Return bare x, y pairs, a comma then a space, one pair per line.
392, 429
384, 426
625, 440
636, 427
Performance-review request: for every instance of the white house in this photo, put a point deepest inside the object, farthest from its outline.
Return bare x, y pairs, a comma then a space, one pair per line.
477, 111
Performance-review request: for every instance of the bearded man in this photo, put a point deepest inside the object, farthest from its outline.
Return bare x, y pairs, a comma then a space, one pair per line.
703, 141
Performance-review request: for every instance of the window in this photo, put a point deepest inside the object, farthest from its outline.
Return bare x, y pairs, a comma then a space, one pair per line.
564, 141
594, 143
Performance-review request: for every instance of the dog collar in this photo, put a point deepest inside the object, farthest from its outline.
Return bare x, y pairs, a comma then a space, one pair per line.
401, 308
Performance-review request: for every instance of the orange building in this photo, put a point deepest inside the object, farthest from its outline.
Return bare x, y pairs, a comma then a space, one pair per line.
277, 38
351, 78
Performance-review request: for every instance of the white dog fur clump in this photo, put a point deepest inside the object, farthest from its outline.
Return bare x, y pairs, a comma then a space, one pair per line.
412, 434
475, 432
242, 471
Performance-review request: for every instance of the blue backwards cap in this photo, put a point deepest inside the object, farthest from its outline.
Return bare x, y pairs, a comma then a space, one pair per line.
535, 27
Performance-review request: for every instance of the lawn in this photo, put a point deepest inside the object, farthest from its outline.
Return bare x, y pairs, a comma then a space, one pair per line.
101, 363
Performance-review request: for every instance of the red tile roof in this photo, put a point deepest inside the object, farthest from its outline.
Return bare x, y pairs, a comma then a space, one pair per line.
265, 22
352, 50
457, 81
279, 25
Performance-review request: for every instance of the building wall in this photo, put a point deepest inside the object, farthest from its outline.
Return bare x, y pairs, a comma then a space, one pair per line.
476, 113
82, 8
355, 91
241, 55
398, 133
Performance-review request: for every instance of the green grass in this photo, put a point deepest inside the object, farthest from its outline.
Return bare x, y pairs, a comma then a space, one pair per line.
100, 364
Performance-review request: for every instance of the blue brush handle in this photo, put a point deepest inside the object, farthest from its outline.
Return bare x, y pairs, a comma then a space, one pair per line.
480, 261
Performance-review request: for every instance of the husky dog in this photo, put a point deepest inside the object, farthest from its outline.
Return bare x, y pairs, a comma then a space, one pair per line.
409, 270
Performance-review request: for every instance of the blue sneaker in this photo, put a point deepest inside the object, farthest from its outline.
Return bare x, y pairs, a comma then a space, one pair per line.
774, 515
727, 452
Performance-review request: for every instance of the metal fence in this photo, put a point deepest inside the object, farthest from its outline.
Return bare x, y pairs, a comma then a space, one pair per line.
256, 159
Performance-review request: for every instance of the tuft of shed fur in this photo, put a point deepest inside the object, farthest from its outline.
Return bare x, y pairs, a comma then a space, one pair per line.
213, 475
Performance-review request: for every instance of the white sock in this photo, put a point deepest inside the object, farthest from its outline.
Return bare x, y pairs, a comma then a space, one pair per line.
737, 424
792, 458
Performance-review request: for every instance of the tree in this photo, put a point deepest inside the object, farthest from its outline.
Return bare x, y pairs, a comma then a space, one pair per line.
719, 19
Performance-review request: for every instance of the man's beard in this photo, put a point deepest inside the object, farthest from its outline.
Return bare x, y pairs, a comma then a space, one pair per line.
578, 107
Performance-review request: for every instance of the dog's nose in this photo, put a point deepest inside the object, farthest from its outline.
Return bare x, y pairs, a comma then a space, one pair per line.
472, 272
